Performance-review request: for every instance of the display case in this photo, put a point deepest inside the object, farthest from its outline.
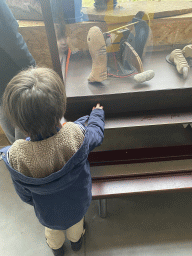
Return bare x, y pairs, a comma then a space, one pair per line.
134, 58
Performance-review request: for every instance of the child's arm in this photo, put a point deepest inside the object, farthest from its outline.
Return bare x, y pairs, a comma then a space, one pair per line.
95, 127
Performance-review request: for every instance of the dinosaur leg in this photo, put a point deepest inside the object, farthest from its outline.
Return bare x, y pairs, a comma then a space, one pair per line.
187, 51
97, 49
179, 60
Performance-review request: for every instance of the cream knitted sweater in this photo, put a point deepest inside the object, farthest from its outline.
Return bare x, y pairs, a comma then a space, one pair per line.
39, 159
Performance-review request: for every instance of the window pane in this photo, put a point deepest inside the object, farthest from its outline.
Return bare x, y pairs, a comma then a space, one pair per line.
136, 53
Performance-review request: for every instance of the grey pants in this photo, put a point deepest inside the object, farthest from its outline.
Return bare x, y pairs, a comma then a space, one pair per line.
12, 133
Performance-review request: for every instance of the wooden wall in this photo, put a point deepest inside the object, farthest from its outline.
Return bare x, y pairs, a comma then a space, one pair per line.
34, 35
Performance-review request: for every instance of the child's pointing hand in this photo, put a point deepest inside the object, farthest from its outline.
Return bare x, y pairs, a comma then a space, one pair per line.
97, 106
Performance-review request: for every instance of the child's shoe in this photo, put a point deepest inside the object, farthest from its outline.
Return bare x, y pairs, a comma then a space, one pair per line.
58, 252
77, 245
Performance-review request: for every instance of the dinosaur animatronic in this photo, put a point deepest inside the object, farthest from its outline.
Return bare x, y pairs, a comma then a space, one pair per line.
127, 61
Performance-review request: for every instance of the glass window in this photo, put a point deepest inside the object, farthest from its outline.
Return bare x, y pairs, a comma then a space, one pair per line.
131, 56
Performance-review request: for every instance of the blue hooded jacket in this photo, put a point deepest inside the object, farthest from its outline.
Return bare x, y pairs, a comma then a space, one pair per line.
61, 199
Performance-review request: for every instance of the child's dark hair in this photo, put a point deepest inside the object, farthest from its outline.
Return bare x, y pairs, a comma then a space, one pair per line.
35, 101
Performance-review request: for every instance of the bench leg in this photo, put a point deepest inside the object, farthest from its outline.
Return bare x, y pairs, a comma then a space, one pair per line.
103, 208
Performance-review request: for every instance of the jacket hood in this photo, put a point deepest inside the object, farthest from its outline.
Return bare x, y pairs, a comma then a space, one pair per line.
56, 181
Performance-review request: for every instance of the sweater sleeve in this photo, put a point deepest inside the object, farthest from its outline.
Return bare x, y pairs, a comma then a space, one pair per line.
95, 128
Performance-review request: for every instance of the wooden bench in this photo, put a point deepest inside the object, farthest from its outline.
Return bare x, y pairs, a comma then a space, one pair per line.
116, 188
145, 175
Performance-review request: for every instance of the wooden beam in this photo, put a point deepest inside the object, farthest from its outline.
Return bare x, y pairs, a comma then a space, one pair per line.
172, 31
124, 12
51, 36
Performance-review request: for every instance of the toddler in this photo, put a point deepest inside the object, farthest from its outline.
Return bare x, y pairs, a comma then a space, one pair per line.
50, 169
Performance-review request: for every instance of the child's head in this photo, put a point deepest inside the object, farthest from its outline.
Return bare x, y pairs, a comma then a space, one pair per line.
35, 101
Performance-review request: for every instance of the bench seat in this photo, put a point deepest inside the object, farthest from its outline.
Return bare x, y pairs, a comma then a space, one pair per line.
111, 186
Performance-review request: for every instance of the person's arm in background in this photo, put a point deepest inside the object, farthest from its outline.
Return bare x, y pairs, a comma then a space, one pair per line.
14, 56
11, 41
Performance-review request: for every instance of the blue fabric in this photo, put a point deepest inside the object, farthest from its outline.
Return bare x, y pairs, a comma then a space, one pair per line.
62, 199
70, 11
11, 40
14, 53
